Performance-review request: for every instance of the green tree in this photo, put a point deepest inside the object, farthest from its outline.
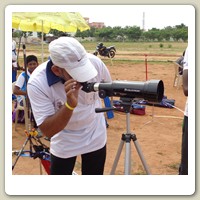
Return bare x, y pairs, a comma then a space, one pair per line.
180, 32
167, 33
105, 33
153, 34
133, 33
87, 33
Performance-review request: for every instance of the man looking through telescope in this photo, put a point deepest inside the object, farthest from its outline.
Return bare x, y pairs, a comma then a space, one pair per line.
65, 113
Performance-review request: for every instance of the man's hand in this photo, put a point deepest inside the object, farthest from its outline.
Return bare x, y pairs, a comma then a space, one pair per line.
72, 89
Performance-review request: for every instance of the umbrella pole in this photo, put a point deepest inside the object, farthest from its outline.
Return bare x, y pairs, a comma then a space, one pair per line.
18, 50
27, 99
42, 42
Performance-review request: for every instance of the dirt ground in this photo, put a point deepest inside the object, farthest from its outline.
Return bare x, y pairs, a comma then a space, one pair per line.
158, 132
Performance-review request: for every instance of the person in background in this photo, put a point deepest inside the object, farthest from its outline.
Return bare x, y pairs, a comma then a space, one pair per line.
65, 113
101, 47
20, 87
14, 63
180, 62
183, 169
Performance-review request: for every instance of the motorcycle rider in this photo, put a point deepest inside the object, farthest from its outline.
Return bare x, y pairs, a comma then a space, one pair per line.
102, 48
105, 51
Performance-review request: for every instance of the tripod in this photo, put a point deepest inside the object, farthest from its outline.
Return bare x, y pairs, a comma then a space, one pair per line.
36, 150
127, 138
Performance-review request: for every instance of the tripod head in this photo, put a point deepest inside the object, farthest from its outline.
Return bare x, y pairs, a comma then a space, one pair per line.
126, 103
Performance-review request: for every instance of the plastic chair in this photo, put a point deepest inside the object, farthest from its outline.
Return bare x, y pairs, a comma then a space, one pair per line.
177, 76
19, 107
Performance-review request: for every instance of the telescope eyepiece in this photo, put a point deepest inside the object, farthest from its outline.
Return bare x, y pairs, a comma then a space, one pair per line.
88, 87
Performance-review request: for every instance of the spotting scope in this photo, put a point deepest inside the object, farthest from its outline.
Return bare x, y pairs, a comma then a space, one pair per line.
152, 90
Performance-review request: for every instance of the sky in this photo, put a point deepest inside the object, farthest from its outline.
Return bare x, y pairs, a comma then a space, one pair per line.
155, 16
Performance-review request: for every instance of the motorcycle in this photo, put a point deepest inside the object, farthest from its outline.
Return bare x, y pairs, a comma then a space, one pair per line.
105, 51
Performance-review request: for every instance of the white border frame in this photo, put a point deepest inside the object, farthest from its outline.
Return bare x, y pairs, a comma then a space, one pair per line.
96, 185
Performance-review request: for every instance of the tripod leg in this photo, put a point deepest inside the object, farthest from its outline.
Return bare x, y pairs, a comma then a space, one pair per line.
40, 165
127, 164
117, 157
137, 146
19, 154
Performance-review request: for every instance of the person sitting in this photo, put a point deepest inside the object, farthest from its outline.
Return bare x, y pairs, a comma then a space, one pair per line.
20, 85
20, 88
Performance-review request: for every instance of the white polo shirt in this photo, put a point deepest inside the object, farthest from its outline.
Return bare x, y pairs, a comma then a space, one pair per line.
86, 130
185, 67
21, 79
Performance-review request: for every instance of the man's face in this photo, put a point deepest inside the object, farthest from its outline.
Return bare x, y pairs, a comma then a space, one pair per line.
62, 73
65, 75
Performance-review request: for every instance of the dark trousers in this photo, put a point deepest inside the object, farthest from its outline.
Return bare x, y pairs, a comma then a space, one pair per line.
92, 163
183, 169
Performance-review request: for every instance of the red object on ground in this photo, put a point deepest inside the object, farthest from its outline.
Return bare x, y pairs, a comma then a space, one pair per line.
46, 164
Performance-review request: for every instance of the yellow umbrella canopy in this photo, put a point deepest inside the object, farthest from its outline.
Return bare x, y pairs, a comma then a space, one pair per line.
45, 21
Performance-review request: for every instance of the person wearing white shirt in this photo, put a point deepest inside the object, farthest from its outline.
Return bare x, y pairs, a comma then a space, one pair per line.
20, 85
20, 88
65, 113
183, 169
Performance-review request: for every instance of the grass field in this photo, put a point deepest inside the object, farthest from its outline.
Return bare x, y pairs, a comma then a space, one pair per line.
135, 49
